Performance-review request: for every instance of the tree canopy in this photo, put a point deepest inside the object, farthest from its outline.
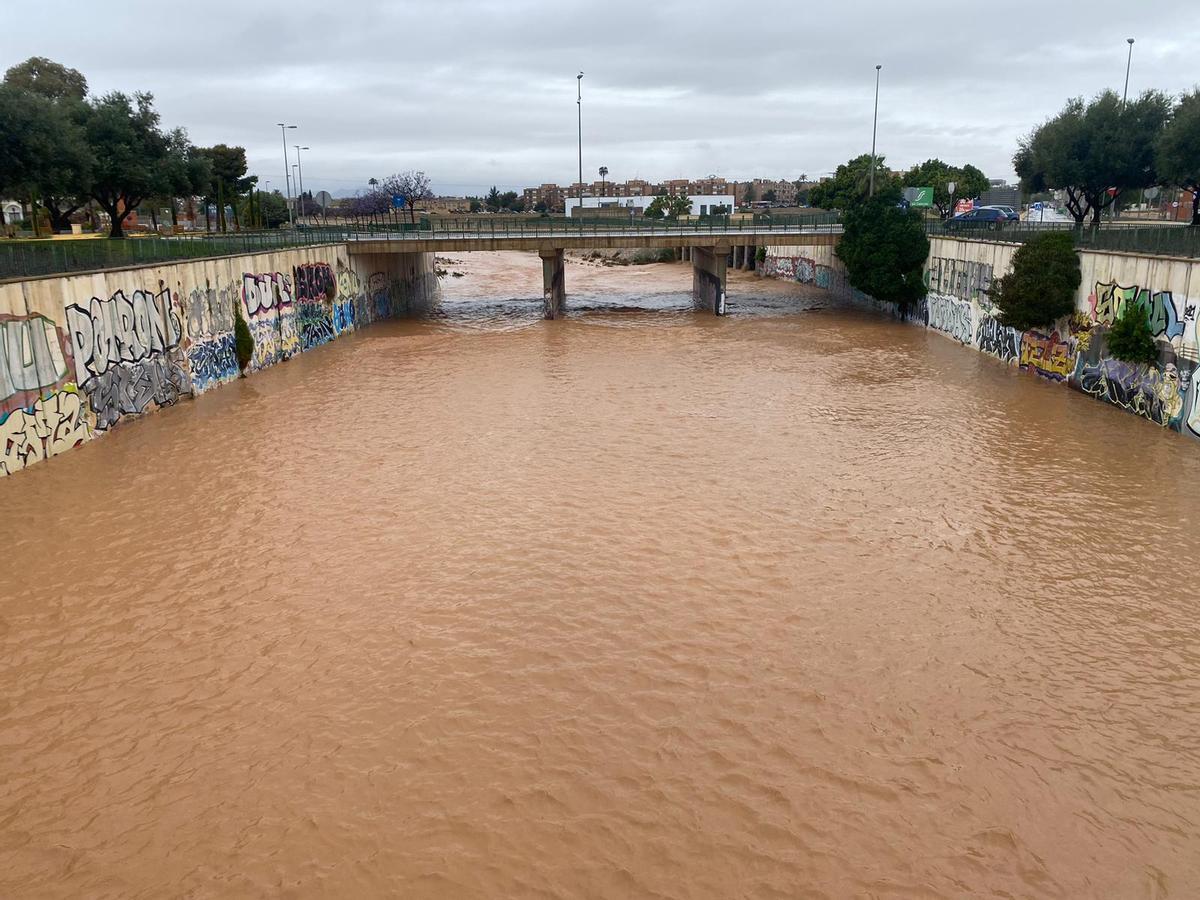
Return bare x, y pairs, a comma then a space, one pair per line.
1040, 288
1177, 156
850, 184
968, 182
1092, 151
884, 248
48, 79
666, 207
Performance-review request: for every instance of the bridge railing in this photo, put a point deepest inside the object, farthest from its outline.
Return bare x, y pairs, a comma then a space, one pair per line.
485, 227
33, 258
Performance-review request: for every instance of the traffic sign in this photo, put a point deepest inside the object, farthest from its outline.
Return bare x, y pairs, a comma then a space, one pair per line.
398, 201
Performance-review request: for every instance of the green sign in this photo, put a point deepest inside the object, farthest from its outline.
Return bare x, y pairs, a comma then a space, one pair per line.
924, 198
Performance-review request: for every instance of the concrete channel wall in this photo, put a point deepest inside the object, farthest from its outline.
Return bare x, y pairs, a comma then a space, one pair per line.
80, 354
959, 274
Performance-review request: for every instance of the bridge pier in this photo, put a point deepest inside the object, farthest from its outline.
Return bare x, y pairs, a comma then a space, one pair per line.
554, 291
708, 278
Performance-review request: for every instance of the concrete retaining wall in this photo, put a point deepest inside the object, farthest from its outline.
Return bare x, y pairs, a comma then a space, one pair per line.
960, 273
81, 354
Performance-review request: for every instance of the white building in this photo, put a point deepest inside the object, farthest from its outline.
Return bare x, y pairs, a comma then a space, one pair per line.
12, 211
702, 204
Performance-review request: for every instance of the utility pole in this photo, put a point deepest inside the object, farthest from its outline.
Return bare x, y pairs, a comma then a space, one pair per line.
1128, 62
286, 170
874, 125
579, 109
300, 175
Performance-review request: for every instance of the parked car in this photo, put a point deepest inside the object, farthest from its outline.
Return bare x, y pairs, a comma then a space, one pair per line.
984, 217
1009, 213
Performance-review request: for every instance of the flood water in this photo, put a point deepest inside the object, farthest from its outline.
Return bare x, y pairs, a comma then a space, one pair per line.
640, 603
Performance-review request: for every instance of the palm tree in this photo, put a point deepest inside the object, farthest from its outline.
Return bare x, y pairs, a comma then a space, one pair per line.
603, 175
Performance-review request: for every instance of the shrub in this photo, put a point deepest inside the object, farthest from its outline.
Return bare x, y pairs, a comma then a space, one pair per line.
243, 339
1129, 339
1041, 287
884, 248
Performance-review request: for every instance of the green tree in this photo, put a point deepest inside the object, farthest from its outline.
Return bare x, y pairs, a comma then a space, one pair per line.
44, 113
1041, 287
1090, 148
243, 339
850, 184
508, 200
1177, 156
475, 205
1130, 338
133, 155
750, 194
769, 196
272, 208
664, 206
227, 179
540, 207
492, 200
968, 182
48, 79
884, 248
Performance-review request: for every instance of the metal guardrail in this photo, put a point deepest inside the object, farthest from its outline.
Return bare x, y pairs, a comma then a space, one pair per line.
1127, 237
34, 258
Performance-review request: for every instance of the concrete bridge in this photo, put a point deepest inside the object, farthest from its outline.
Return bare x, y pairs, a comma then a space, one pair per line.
711, 249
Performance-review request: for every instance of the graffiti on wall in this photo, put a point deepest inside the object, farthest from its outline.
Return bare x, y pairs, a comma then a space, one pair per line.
999, 340
950, 315
1047, 355
212, 351
794, 268
33, 361
1147, 391
350, 309
315, 291
271, 314
124, 354
961, 278
50, 426
1108, 299
380, 294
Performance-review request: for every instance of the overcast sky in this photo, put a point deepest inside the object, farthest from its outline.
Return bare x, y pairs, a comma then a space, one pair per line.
481, 93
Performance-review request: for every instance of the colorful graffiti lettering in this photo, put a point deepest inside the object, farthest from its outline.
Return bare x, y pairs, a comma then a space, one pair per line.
999, 340
212, 355
123, 349
271, 314
49, 427
32, 360
315, 291
1145, 391
951, 316
1047, 355
1110, 298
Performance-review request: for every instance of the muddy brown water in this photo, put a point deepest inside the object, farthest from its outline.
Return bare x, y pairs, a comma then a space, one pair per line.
639, 603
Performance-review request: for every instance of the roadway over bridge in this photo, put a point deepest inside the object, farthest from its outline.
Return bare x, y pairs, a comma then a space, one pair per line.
711, 247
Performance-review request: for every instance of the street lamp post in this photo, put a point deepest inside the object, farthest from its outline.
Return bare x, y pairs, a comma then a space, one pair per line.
295, 181
579, 110
1128, 61
300, 172
874, 125
283, 130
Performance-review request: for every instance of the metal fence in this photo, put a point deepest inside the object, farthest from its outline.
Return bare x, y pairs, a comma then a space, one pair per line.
25, 259
1152, 240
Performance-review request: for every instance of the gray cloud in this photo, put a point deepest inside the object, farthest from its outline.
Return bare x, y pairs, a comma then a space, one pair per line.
478, 93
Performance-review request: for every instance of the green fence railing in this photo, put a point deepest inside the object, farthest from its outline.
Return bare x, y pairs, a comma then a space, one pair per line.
1152, 240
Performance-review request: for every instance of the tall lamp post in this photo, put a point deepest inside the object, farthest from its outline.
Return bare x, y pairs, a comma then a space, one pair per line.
1128, 62
579, 109
874, 125
283, 130
300, 173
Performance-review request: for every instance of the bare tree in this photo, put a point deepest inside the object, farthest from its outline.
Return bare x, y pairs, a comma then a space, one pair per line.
412, 186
